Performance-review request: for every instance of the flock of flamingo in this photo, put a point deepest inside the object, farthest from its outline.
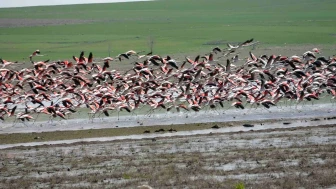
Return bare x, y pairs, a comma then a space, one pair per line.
61, 88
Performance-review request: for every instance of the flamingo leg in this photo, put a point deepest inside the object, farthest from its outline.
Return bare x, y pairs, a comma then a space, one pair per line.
14, 122
36, 118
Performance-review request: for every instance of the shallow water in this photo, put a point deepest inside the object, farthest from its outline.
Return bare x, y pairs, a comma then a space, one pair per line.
307, 112
236, 128
302, 117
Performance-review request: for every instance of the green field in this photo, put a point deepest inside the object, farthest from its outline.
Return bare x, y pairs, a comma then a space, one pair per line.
176, 26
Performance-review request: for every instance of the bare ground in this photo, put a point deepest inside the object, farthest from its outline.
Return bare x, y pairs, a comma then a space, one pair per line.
279, 158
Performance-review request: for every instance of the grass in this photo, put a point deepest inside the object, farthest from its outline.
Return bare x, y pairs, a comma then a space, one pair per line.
177, 26
240, 186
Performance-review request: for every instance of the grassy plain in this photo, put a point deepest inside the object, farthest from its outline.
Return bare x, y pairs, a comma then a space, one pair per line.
176, 26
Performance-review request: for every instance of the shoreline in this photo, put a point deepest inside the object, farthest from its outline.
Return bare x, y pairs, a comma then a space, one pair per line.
156, 136
227, 123
322, 110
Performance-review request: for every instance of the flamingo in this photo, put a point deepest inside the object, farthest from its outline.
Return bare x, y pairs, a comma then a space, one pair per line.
160, 82
122, 56
5, 62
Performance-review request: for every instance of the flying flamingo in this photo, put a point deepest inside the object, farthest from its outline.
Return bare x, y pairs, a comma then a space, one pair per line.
162, 82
